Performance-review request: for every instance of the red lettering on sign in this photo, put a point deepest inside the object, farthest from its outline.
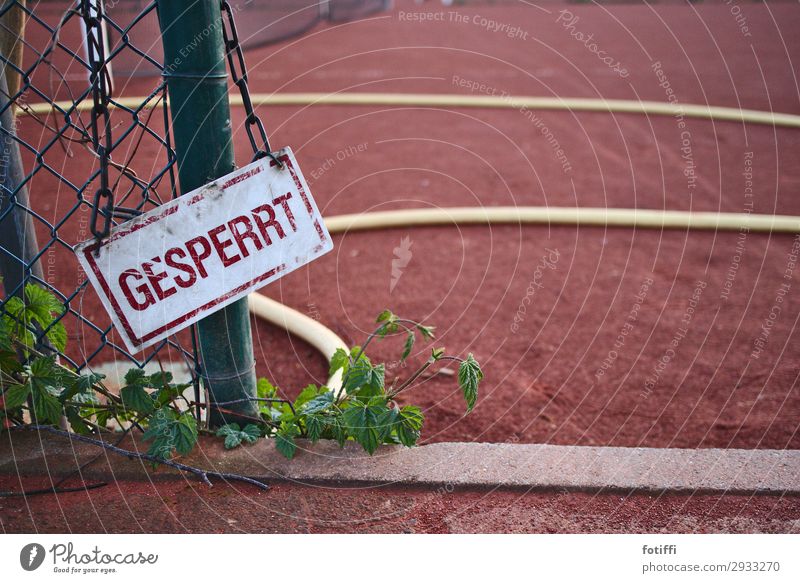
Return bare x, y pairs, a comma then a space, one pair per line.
246, 233
142, 289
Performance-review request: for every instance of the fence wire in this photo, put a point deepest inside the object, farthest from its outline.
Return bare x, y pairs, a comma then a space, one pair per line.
54, 160
260, 22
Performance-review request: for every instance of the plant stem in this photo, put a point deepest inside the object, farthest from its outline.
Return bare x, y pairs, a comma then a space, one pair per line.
412, 378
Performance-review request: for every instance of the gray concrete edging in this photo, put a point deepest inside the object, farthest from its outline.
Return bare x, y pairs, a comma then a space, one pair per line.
443, 465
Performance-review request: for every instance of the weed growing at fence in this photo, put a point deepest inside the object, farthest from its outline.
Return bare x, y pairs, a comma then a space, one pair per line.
36, 390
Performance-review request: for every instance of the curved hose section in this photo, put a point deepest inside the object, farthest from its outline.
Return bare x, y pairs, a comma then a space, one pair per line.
326, 341
323, 339
716, 113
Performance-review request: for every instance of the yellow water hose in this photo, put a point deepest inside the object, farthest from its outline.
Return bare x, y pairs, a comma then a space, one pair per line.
481, 101
585, 217
326, 341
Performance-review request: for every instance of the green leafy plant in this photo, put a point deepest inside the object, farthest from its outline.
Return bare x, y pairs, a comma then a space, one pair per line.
35, 388
365, 409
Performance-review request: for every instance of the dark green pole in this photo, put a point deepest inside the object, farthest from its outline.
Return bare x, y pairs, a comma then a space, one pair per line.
197, 83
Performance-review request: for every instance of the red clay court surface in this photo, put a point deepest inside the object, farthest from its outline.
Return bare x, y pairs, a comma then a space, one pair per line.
176, 506
541, 381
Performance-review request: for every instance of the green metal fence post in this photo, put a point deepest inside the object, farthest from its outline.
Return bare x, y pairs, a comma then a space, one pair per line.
197, 83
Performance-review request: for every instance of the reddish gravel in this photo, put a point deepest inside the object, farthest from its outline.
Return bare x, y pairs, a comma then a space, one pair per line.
177, 507
716, 390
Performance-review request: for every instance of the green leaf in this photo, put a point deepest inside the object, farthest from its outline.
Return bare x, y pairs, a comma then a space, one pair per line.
408, 345
265, 389
251, 433
42, 304
385, 316
44, 373
135, 376
338, 430
340, 359
170, 431
185, 433
315, 425
437, 353
158, 423
426, 331
469, 376
365, 424
319, 403
234, 436
57, 335
359, 374
305, 396
77, 423
409, 424
15, 396
232, 440
159, 380
386, 423
46, 407
135, 398
284, 440
6, 343
82, 384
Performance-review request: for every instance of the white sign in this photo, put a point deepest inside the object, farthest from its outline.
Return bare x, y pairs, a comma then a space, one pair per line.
168, 268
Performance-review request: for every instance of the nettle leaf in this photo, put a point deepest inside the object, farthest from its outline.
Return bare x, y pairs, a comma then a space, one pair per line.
365, 424
83, 384
251, 433
426, 331
339, 360
319, 403
16, 396
385, 316
284, 440
42, 304
358, 375
46, 407
469, 376
234, 436
135, 376
338, 430
315, 425
135, 398
386, 424
40, 307
305, 396
57, 335
409, 424
6, 342
9, 362
389, 321
408, 345
77, 423
265, 389
185, 431
170, 431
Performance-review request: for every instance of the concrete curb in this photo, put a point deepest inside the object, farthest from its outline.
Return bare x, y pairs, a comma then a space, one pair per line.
443, 465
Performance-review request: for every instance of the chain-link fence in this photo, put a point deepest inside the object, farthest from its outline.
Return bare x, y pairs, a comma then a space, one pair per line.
78, 158
260, 22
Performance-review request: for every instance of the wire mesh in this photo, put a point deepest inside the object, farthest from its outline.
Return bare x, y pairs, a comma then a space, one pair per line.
50, 201
260, 22
48, 187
